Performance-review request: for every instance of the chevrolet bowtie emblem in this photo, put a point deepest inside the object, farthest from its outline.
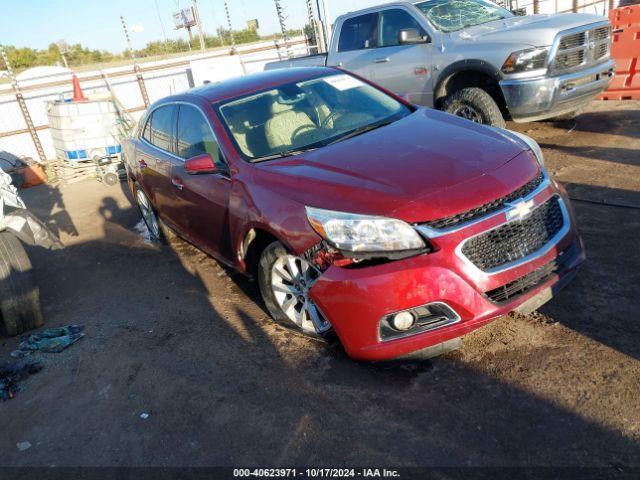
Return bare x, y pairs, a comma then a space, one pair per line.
519, 210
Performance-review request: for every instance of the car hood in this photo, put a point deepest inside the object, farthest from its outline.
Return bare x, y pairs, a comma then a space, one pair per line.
534, 30
390, 170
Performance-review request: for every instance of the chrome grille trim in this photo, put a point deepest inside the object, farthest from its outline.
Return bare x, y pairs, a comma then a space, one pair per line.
580, 47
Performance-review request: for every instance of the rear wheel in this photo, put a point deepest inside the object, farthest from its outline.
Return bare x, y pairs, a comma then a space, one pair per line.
476, 105
19, 295
148, 214
285, 281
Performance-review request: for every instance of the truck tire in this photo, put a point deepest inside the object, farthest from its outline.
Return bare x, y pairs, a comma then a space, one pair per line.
19, 295
476, 105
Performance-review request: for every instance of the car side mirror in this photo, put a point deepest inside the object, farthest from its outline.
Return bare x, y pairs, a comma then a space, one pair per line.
200, 164
519, 12
411, 36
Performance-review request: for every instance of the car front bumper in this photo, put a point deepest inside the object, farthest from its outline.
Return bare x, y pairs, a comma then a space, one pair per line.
355, 300
545, 97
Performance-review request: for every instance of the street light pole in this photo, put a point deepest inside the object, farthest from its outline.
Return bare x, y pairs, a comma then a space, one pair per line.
196, 13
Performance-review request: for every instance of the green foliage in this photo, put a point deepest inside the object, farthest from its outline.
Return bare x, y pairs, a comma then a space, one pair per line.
23, 58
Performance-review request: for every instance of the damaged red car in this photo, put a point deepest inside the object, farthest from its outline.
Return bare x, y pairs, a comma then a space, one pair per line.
399, 228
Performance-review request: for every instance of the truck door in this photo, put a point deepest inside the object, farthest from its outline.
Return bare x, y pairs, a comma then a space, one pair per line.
403, 65
355, 49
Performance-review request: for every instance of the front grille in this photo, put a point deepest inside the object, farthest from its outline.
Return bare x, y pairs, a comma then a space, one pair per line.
515, 240
570, 59
487, 208
580, 49
572, 41
530, 281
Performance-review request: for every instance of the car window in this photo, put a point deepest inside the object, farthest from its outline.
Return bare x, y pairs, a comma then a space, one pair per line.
359, 33
146, 133
394, 20
162, 121
307, 114
195, 136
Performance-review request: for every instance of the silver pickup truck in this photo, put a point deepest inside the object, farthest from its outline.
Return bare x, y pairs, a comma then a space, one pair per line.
475, 59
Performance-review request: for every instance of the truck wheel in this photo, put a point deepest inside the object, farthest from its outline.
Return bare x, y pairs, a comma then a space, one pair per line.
476, 105
285, 281
19, 295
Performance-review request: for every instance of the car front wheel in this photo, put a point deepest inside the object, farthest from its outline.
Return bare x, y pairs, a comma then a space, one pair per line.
148, 214
285, 282
476, 105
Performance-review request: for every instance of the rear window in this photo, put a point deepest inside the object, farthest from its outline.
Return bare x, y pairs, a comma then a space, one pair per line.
359, 33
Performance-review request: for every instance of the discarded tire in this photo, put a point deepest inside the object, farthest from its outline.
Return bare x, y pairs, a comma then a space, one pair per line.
19, 295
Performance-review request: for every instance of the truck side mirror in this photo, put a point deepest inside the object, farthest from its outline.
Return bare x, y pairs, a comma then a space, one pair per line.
519, 12
410, 36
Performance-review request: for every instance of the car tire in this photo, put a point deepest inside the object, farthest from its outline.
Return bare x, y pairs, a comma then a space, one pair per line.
19, 294
149, 215
476, 105
271, 261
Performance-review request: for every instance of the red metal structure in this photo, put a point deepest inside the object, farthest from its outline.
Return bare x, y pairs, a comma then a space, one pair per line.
625, 49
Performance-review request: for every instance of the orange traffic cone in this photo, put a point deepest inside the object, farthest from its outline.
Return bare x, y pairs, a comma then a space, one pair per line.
78, 96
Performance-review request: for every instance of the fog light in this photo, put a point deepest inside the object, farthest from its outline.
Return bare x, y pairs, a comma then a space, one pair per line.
403, 321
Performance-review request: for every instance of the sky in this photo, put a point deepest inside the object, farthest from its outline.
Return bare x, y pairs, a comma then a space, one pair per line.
96, 23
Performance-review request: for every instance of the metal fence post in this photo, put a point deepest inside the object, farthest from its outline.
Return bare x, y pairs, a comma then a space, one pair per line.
536, 7
23, 107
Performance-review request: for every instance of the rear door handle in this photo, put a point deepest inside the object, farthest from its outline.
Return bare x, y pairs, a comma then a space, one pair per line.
176, 182
381, 60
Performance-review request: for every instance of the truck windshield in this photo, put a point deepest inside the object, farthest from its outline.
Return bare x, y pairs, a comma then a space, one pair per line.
452, 15
304, 115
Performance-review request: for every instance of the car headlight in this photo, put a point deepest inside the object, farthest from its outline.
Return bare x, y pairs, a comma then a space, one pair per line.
532, 144
350, 232
526, 60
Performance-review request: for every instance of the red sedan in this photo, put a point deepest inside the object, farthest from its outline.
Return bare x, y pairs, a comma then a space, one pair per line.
396, 227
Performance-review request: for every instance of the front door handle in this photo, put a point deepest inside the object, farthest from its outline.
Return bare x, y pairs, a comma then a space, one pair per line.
142, 163
176, 182
382, 60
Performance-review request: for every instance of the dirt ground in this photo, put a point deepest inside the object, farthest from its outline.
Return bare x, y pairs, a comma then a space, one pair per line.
171, 333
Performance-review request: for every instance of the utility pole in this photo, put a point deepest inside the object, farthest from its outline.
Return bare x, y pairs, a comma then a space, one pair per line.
283, 28
327, 24
196, 14
136, 68
23, 106
228, 15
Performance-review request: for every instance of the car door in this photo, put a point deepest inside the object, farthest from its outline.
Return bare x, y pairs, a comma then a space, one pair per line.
154, 155
201, 201
355, 50
404, 69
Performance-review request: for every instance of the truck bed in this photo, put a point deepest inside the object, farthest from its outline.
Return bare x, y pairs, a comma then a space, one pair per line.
319, 60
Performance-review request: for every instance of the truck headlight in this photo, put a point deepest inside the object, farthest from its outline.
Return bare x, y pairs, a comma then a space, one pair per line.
351, 232
526, 60
532, 144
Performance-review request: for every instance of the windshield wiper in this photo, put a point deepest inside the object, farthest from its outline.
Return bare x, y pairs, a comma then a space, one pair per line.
283, 154
361, 130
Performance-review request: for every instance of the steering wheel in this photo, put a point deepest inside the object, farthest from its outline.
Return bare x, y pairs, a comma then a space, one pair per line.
330, 117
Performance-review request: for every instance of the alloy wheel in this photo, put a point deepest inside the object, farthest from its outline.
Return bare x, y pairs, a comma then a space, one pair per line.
469, 113
148, 214
291, 280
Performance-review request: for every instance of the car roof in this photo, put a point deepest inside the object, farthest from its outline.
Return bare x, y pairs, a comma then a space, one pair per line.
239, 86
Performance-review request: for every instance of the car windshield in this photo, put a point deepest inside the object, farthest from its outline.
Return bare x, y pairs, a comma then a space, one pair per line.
308, 114
452, 15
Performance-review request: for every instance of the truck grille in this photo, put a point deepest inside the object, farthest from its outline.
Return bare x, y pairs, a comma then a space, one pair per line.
515, 240
487, 208
528, 282
582, 49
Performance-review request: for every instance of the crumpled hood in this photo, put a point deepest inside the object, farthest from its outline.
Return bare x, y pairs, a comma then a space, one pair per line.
534, 30
383, 171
